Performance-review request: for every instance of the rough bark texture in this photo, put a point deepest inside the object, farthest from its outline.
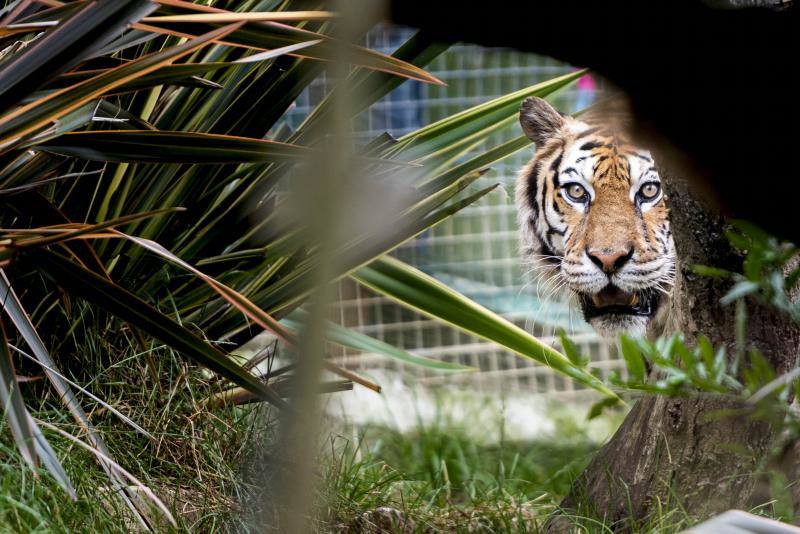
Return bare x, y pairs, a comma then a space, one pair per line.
668, 449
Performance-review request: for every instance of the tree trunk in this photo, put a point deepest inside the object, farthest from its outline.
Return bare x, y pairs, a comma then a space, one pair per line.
668, 451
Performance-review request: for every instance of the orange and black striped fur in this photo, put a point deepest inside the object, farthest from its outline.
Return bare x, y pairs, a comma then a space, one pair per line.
592, 214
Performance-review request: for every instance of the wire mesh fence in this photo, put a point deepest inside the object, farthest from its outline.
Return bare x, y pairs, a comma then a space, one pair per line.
474, 252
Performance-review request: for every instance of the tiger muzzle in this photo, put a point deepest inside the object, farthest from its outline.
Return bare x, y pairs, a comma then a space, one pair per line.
611, 300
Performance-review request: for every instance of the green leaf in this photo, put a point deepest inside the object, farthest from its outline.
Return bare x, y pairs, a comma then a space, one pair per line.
19, 420
441, 134
235, 298
145, 146
718, 365
22, 322
269, 35
599, 407
571, 350
31, 117
249, 16
683, 356
106, 459
753, 265
371, 86
132, 309
355, 340
416, 290
739, 241
60, 235
759, 373
739, 291
296, 285
637, 369
185, 74
711, 272
71, 41
706, 353
478, 162
755, 233
127, 420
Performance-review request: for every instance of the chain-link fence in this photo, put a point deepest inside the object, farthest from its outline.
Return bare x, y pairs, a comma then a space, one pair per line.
474, 252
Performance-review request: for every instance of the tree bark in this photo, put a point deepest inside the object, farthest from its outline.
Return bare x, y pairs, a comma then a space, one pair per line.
668, 451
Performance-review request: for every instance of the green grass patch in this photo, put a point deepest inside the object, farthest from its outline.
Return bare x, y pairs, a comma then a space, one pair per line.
462, 471
196, 462
443, 478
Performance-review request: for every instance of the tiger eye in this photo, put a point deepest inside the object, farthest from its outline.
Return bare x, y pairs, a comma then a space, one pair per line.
576, 191
649, 190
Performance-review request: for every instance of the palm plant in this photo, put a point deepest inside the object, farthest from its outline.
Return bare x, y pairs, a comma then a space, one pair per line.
164, 119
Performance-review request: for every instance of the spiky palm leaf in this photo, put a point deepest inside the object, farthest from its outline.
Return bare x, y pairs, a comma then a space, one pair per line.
111, 121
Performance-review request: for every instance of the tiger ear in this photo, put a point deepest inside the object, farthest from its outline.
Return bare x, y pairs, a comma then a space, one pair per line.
540, 121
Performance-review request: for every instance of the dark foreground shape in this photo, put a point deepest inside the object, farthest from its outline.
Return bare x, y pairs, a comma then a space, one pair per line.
670, 449
711, 81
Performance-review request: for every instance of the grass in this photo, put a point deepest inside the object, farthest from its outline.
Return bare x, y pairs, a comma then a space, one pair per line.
203, 463
194, 463
468, 473
439, 480
443, 476
32, 502
465, 476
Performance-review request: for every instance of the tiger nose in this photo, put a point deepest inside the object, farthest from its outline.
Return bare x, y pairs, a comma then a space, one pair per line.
609, 260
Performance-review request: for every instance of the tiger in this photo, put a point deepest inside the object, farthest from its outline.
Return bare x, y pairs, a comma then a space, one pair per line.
592, 213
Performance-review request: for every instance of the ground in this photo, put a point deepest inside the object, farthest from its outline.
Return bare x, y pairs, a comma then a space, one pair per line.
456, 460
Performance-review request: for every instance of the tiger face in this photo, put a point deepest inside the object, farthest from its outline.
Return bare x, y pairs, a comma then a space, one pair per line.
593, 214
